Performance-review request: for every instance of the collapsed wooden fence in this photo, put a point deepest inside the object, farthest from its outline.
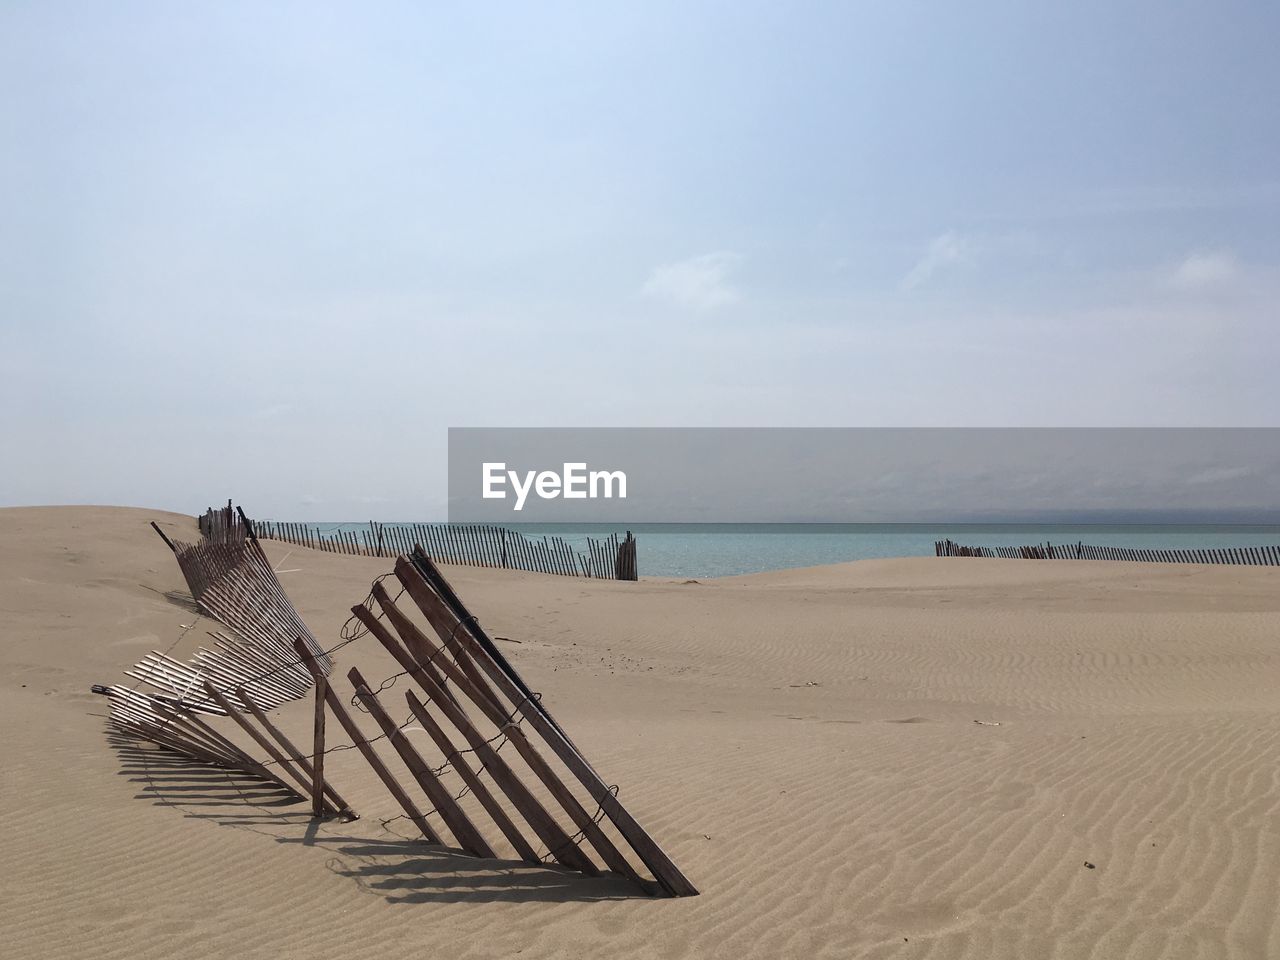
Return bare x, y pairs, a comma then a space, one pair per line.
467, 691
253, 666
475, 545
1253, 556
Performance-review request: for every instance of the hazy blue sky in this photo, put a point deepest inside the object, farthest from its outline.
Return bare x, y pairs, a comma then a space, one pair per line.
273, 251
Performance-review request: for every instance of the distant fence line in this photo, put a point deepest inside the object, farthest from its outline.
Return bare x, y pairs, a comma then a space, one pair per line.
475, 545
1252, 556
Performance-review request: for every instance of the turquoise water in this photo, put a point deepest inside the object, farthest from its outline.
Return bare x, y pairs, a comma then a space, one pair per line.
721, 550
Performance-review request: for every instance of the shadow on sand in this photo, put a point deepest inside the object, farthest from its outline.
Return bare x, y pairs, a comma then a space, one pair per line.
403, 871
400, 871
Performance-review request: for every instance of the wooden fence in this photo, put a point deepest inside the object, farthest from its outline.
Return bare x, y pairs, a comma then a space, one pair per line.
222, 525
173, 703
541, 801
1253, 556
489, 705
475, 545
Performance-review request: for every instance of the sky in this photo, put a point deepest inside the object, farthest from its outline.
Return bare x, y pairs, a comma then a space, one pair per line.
274, 251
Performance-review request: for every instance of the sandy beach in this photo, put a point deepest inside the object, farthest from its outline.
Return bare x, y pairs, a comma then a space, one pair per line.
942, 758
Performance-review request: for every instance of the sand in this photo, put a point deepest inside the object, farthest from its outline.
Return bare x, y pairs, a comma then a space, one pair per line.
805, 744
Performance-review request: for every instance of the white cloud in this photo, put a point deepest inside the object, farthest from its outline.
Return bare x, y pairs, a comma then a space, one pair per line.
701, 283
1207, 269
945, 250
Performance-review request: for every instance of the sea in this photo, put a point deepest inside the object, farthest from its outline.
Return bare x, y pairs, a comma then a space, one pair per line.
727, 549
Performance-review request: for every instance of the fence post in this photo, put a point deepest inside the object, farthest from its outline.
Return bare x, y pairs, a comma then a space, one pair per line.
317, 740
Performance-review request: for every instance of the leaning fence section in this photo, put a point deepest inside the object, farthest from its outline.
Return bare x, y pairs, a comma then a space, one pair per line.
473, 544
1250, 556
251, 667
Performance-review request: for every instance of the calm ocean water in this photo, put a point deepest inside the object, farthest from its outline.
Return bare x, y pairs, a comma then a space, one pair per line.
722, 550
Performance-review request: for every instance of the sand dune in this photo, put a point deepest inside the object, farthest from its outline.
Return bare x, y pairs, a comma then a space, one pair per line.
902, 758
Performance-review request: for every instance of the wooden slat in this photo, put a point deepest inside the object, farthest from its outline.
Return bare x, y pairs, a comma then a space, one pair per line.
366, 750
318, 786
654, 857
442, 741
317, 742
454, 816
542, 823
265, 743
